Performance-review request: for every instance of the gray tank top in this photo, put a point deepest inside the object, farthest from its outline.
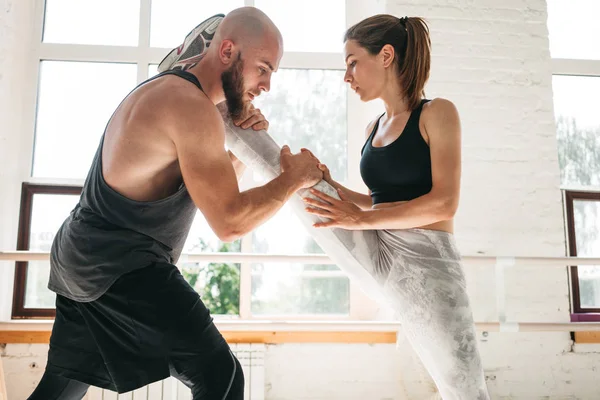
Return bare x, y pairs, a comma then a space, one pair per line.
107, 235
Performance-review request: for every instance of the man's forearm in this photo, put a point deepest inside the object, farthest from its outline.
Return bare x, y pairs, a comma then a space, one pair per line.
257, 205
238, 166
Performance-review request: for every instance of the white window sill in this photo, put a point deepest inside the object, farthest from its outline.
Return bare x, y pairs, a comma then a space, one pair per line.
583, 348
248, 325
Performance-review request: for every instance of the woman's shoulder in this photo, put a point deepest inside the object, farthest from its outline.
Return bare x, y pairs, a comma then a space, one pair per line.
438, 106
371, 125
440, 117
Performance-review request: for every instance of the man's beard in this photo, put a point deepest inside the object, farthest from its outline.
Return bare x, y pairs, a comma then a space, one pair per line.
233, 87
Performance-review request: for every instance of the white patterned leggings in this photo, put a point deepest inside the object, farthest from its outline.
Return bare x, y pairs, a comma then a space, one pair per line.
425, 285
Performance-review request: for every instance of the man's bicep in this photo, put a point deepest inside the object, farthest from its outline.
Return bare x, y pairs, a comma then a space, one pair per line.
207, 173
206, 167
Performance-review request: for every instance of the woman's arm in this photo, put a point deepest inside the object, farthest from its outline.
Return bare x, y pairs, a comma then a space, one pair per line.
442, 126
360, 199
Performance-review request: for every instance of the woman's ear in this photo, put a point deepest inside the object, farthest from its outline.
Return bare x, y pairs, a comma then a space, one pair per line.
387, 55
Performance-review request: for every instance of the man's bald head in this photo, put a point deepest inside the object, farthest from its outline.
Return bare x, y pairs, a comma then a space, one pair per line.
248, 27
246, 50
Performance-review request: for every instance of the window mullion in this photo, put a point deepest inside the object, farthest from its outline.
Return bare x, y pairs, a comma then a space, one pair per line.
144, 40
30, 91
246, 280
359, 115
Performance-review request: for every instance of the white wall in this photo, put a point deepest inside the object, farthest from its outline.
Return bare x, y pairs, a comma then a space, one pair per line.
16, 21
492, 59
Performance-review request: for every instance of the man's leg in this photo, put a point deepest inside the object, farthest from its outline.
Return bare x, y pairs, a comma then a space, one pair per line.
219, 377
151, 324
54, 387
198, 354
73, 354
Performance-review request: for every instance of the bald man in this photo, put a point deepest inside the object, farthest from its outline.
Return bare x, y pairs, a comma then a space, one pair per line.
125, 317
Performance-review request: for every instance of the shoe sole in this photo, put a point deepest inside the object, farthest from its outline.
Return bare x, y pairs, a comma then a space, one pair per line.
193, 47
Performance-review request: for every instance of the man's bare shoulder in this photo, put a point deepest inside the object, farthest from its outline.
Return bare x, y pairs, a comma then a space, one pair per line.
181, 107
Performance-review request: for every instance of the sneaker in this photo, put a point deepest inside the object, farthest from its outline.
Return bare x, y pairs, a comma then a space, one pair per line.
195, 44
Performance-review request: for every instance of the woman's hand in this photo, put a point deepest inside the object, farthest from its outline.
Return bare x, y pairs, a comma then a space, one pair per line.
326, 173
341, 213
322, 167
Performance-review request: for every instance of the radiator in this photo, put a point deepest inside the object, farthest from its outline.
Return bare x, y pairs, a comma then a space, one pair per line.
251, 357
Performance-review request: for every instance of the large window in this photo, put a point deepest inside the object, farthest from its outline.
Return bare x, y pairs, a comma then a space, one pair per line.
576, 81
85, 70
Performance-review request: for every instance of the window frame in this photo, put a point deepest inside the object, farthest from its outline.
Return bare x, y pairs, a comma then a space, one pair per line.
570, 197
28, 191
358, 116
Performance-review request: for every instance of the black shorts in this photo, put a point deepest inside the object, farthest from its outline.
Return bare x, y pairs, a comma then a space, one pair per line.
148, 321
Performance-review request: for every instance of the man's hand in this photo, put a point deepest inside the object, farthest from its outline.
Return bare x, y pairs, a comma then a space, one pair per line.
322, 167
301, 168
252, 117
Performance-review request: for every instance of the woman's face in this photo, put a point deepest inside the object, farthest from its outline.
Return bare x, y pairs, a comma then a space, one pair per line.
365, 73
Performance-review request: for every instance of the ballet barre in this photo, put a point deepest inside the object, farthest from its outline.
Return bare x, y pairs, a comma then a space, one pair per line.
478, 260
500, 263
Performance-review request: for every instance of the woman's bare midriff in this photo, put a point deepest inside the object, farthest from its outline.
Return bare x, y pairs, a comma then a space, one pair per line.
444, 226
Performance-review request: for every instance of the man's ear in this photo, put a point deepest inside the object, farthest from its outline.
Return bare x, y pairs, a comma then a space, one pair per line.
226, 51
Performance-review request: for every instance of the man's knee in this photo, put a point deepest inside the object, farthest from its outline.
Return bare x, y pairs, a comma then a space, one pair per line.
236, 391
54, 387
223, 379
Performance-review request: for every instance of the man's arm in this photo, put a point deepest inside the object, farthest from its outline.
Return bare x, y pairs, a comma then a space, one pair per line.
199, 137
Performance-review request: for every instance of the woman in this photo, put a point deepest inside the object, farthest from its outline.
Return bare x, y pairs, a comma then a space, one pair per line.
411, 164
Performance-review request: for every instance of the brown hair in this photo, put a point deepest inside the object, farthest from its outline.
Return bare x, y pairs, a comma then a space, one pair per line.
412, 46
